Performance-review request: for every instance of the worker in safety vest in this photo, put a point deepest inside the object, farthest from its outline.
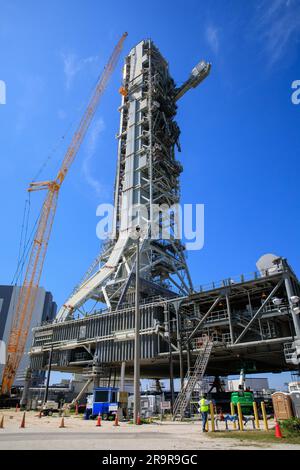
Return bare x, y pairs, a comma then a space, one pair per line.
204, 407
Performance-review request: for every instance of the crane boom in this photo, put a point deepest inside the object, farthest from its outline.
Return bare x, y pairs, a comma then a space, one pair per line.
27, 295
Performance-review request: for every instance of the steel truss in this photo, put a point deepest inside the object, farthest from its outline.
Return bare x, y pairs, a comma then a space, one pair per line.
147, 181
248, 329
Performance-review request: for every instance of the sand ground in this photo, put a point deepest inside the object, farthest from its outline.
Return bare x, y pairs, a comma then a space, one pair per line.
44, 433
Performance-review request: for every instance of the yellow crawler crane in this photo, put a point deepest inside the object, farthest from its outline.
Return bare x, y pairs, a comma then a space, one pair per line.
27, 296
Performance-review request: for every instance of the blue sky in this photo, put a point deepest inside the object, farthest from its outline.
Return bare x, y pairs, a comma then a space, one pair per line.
240, 131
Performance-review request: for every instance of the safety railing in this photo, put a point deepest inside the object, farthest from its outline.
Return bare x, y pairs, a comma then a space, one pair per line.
238, 279
289, 350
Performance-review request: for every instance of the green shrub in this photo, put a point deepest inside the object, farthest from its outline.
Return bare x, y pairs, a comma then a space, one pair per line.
290, 426
143, 421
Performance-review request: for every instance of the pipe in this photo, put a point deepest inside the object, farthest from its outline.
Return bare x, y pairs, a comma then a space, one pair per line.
77, 398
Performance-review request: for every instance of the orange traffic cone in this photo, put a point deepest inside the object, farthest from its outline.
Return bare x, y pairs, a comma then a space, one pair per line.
277, 430
2, 422
138, 421
17, 407
22, 425
76, 409
62, 423
116, 423
99, 420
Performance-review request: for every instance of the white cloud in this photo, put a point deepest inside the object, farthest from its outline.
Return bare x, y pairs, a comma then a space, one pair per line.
90, 149
73, 65
212, 38
278, 27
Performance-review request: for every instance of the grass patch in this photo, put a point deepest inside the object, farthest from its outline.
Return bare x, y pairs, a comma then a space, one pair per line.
143, 421
290, 427
256, 436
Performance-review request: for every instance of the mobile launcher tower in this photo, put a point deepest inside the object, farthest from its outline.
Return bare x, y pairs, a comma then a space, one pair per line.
147, 176
251, 322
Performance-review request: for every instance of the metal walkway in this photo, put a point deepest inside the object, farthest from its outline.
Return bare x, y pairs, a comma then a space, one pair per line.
193, 376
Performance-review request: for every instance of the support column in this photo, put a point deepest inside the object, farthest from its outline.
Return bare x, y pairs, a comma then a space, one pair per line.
171, 363
290, 293
115, 377
97, 373
122, 377
188, 350
109, 377
25, 393
48, 375
179, 344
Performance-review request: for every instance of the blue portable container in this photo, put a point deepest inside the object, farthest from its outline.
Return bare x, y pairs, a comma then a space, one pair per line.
105, 401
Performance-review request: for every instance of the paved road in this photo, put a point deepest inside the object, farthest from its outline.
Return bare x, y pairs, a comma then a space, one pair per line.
117, 439
121, 441
143, 440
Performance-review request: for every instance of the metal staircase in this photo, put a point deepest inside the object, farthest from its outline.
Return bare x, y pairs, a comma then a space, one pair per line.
193, 375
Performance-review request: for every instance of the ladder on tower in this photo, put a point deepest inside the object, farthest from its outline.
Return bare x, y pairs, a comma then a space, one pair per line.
193, 376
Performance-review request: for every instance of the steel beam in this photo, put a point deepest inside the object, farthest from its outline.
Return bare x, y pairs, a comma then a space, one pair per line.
290, 293
229, 318
257, 314
204, 317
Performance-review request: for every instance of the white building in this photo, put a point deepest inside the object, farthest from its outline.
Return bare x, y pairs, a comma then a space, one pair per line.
45, 310
255, 384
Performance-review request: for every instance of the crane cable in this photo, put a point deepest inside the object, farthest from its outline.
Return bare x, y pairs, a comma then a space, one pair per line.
69, 127
25, 244
26, 248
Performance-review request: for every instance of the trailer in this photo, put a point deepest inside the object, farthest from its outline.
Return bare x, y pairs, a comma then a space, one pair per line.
103, 401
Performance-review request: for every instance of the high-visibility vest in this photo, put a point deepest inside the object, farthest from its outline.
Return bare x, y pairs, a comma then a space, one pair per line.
203, 405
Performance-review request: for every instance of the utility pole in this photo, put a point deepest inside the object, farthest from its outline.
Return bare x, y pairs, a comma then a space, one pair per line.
137, 338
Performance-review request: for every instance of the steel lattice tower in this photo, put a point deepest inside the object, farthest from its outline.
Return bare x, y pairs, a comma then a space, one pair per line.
147, 176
